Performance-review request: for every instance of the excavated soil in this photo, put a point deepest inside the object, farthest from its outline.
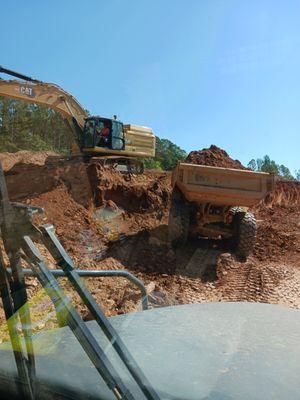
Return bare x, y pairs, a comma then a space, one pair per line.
214, 157
8, 160
112, 220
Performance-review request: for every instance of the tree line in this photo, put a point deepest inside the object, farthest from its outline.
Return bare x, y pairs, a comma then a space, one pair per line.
30, 127
265, 164
167, 155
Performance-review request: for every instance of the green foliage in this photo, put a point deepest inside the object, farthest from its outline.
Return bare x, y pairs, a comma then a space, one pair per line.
297, 175
151, 163
252, 165
285, 172
267, 165
167, 155
30, 127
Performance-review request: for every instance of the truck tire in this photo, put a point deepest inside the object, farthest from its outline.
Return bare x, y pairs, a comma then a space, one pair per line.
179, 219
245, 233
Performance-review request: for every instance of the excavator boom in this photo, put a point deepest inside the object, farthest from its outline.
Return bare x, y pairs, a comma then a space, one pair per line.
47, 94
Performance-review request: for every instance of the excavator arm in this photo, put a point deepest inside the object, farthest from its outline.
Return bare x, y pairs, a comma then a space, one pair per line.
46, 94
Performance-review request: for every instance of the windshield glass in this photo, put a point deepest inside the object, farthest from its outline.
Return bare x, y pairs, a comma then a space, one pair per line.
155, 255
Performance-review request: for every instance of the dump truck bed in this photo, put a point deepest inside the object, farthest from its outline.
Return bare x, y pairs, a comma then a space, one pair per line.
222, 186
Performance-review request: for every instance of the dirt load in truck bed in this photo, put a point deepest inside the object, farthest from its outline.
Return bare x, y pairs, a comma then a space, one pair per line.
214, 157
132, 236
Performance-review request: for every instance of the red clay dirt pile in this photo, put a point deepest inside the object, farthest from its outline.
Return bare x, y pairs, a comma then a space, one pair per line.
8, 160
74, 193
214, 157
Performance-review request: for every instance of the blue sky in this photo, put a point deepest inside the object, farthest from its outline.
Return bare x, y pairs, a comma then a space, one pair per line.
199, 72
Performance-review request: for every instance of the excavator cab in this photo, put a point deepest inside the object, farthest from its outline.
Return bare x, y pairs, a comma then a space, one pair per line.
103, 132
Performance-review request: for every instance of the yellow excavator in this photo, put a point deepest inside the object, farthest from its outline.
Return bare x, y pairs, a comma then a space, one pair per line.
114, 142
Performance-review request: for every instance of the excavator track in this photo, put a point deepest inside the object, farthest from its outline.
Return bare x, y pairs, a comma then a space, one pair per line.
122, 164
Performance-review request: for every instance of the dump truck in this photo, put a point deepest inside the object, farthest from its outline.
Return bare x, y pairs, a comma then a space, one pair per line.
213, 202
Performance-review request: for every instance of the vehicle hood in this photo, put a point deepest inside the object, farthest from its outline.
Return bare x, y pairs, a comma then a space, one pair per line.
211, 351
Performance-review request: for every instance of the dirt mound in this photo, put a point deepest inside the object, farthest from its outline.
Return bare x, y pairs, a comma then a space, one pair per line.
278, 223
274, 242
214, 157
73, 223
8, 160
278, 232
133, 193
286, 193
74, 194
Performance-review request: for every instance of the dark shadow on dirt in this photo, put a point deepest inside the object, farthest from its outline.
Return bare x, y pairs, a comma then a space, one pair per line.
150, 251
147, 251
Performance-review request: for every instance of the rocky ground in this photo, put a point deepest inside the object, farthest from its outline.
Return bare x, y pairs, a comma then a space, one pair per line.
111, 220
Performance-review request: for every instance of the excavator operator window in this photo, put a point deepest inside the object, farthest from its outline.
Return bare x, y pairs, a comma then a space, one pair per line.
89, 133
104, 133
117, 137
102, 136
97, 133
